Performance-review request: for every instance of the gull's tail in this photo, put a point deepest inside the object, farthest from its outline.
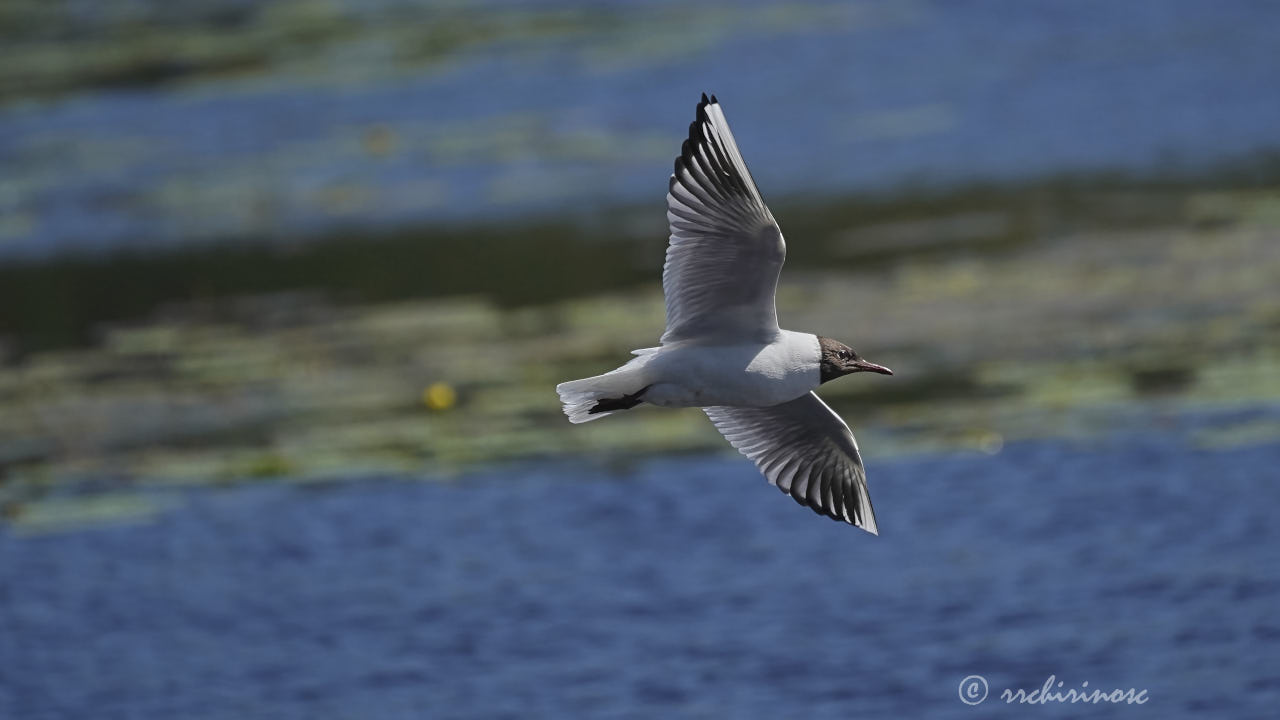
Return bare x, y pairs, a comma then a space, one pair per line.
595, 397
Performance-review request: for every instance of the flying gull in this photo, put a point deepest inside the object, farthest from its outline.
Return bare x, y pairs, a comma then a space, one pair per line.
723, 350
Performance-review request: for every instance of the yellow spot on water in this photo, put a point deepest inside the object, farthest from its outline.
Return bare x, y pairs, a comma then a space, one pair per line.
439, 396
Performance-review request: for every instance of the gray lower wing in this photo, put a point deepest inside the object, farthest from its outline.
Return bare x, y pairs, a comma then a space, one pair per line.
807, 451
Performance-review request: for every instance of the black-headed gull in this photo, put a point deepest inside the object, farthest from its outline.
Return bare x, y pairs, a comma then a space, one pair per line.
723, 350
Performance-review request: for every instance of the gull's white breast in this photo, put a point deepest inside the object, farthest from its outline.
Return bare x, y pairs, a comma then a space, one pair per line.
692, 374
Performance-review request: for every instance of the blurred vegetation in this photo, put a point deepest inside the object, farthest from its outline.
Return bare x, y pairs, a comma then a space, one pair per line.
62, 302
60, 47
294, 307
53, 48
1005, 316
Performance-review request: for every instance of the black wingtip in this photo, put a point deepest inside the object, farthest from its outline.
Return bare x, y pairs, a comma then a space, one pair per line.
714, 101
705, 100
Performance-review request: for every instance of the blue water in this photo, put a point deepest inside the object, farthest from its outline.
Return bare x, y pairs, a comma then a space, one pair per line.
825, 97
684, 588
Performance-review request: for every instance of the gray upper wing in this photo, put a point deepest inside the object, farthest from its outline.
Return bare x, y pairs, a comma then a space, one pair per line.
805, 449
726, 250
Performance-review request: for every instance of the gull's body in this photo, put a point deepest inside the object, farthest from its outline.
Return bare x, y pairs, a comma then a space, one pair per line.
692, 374
723, 350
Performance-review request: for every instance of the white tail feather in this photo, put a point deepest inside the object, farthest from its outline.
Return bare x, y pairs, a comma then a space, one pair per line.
579, 396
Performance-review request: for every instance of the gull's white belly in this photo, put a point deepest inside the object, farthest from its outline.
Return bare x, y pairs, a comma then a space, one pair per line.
748, 375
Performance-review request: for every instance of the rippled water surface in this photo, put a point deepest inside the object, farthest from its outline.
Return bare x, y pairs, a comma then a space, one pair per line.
685, 587
406, 112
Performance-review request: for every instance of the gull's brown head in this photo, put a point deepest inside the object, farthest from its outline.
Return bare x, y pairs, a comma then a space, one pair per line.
840, 359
